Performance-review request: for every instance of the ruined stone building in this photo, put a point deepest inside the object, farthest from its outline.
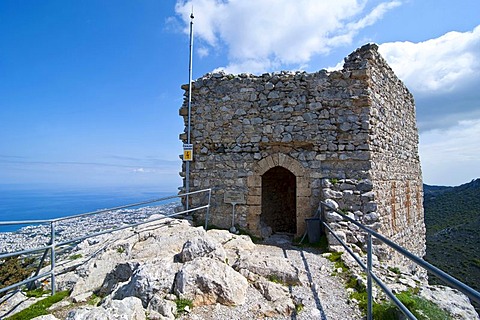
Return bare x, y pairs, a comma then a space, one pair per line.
285, 141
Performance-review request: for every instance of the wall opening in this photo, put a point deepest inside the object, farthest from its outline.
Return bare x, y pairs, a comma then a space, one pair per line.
279, 200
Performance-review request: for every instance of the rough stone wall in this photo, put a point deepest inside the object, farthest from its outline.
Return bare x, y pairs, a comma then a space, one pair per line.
316, 120
396, 172
355, 127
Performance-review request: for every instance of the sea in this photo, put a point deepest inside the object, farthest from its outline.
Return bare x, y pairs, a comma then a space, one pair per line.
19, 204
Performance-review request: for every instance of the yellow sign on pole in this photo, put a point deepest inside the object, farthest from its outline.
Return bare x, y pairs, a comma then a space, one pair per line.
187, 152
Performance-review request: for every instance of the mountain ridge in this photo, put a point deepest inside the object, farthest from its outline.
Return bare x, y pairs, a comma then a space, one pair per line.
452, 220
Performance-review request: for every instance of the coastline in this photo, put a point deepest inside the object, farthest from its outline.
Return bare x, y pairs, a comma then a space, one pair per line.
34, 236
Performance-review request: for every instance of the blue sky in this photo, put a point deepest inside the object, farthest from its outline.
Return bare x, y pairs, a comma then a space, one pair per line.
90, 90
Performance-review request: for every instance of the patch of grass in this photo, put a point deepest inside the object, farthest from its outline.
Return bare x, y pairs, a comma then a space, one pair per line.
120, 250
94, 300
385, 311
299, 307
335, 257
334, 181
362, 299
421, 308
340, 265
182, 304
75, 256
275, 278
353, 283
36, 293
394, 270
39, 308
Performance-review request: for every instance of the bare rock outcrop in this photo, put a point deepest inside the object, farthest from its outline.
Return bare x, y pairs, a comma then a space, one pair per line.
150, 266
146, 271
155, 277
451, 300
207, 281
129, 308
201, 247
270, 267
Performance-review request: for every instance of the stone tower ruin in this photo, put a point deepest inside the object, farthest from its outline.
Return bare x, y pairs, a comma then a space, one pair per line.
282, 142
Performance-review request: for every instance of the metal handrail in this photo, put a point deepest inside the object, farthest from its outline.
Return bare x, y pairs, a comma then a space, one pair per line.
470, 292
52, 243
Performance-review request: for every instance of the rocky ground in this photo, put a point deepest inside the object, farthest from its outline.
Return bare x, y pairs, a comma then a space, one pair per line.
144, 272
320, 295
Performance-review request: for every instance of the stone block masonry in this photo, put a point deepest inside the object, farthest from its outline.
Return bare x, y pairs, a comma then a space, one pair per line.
288, 140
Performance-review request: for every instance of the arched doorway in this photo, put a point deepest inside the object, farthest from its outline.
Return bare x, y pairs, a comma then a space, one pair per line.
279, 204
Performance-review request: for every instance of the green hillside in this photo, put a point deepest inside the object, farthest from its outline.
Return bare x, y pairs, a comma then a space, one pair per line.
452, 219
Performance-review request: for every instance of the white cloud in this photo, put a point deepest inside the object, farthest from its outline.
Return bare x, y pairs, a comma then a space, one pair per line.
436, 65
260, 35
203, 52
376, 14
451, 155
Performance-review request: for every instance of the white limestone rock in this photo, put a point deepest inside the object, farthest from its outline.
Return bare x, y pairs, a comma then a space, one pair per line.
66, 281
232, 241
201, 247
92, 276
127, 309
121, 273
331, 203
164, 241
46, 317
272, 291
451, 300
207, 281
148, 279
234, 245
16, 302
161, 308
329, 193
269, 266
332, 216
332, 241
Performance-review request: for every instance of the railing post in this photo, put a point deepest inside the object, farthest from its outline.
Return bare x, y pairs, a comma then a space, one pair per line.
44, 256
208, 209
322, 215
369, 278
52, 257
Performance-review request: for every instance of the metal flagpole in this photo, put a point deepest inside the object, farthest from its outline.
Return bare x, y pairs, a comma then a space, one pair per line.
187, 164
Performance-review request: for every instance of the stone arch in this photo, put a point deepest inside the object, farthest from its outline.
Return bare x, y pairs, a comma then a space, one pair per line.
254, 196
